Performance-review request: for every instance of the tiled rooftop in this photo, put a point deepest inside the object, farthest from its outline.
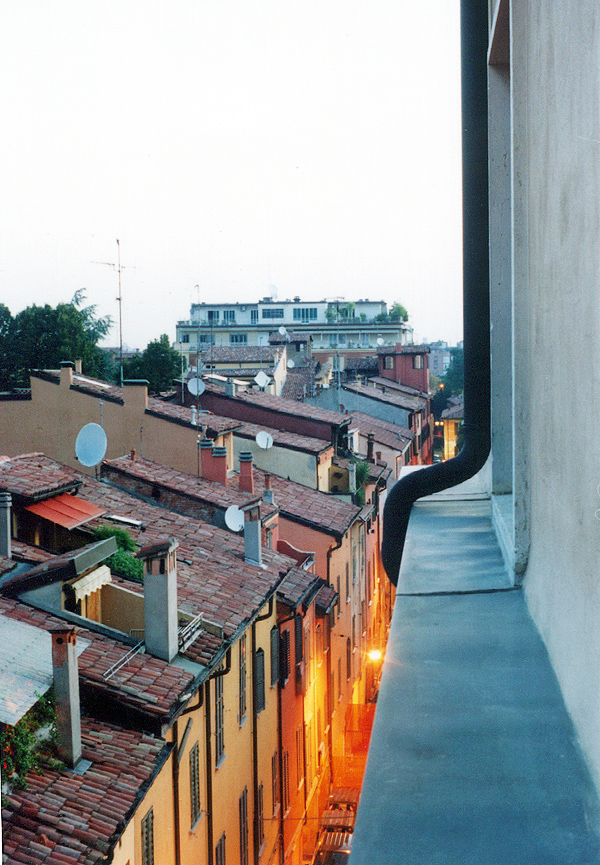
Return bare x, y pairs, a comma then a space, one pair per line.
63, 818
328, 513
84, 384
386, 433
286, 406
170, 411
296, 586
409, 403
240, 354
370, 364
35, 476
282, 438
189, 485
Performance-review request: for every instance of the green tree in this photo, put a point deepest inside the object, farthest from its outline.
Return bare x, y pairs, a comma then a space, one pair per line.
40, 337
398, 313
454, 377
158, 363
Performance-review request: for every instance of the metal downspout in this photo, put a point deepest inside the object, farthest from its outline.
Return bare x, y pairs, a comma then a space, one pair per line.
476, 301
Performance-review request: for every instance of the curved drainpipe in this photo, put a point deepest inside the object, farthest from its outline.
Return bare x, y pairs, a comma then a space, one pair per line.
476, 301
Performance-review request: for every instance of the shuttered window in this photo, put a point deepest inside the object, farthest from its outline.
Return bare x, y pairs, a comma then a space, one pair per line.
298, 638
259, 680
284, 658
274, 656
148, 838
243, 809
242, 682
194, 784
220, 851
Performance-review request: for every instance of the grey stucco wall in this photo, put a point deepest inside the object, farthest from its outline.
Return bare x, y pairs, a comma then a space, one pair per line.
556, 291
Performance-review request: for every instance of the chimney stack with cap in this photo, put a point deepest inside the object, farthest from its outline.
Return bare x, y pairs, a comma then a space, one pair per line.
160, 598
268, 492
66, 691
370, 442
5, 525
352, 478
246, 472
252, 532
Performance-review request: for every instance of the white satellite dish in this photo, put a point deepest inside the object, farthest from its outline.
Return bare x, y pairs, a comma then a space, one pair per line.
90, 445
196, 386
290, 364
261, 379
264, 440
379, 341
282, 330
234, 518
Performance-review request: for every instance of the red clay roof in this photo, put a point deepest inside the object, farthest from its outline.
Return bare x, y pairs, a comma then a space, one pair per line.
240, 354
35, 477
286, 406
63, 817
284, 438
389, 434
65, 510
391, 396
170, 411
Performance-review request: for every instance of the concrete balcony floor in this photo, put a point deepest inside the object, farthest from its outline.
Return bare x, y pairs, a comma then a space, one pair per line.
473, 758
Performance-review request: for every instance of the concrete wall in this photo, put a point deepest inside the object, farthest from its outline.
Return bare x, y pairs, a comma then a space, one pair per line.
296, 465
555, 48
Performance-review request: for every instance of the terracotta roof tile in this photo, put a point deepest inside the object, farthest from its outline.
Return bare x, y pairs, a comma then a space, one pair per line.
284, 438
287, 406
180, 413
396, 398
35, 476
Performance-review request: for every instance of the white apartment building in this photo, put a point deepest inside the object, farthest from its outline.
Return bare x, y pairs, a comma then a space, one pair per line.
328, 324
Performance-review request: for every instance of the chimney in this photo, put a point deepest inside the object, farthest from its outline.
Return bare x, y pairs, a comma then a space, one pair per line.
193, 419
66, 691
5, 525
78, 365
378, 455
252, 539
160, 598
230, 387
206, 446
370, 442
268, 492
66, 372
219, 465
246, 472
352, 478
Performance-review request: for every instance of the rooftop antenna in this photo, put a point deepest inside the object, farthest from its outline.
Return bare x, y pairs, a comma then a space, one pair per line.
118, 268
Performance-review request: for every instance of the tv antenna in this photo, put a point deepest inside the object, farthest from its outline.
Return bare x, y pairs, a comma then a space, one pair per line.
118, 268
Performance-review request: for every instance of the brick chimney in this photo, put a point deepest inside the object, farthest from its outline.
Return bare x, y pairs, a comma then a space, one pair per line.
78, 365
268, 492
219, 465
370, 442
352, 478
160, 598
66, 372
206, 446
252, 533
5, 525
66, 690
246, 472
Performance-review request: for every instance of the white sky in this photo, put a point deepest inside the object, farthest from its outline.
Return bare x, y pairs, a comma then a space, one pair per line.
313, 145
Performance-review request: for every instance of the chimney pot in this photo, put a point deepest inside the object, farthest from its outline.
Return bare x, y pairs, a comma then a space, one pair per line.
5, 525
219, 456
268, 492
252, 534
370, 442
132, 455
160, 599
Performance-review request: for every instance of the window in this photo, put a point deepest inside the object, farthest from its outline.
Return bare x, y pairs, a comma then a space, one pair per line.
339, 678
417, 361
319, 638
253, 316
238, 338
242, 680
260, 815
148, 838
388, 362
213, 315
194, 785
308, 659
243, 810
220, 851
185, 337
308, 313
348, 659
298, 638
229, 316
286, 781
338, 603
347, 582
354, 632
259, 680
299, 757
274, 656
219, 719
273, 313
284, 657
275, 781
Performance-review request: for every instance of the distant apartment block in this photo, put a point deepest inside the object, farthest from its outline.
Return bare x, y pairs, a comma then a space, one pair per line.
327, 324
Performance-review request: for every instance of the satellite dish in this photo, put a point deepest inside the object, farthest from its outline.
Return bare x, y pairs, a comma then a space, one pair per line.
234, 518
282, 330
379, 341
290, 364
90, 445
264, 440
196, 386
261, 379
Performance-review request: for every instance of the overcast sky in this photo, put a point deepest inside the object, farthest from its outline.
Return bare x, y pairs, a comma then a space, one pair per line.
231, 146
